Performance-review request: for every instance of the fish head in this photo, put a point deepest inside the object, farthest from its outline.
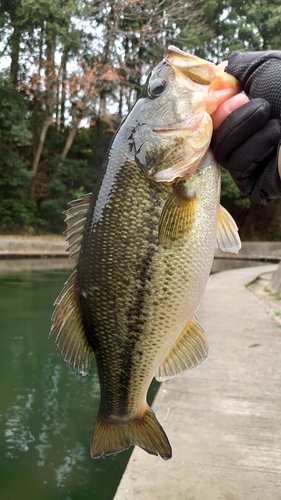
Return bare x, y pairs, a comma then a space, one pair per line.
171, 121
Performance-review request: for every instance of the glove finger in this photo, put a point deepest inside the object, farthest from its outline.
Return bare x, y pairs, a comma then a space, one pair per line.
259, 76
256, 150
239, 126
265, 82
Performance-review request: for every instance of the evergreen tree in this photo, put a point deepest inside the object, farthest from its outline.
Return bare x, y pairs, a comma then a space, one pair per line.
77, 67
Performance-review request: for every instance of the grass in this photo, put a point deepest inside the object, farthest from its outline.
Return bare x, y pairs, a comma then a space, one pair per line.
276, 296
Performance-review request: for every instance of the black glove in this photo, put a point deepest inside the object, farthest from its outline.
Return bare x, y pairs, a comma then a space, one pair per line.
247, 142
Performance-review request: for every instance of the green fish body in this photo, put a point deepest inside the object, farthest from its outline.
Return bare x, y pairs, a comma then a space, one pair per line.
143, 242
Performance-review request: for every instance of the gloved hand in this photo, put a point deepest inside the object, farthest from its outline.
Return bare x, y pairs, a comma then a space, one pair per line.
248, 141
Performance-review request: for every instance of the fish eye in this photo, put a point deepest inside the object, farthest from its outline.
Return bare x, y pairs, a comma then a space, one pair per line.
156, 87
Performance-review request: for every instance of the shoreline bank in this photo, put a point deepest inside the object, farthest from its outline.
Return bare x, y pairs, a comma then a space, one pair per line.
36, 247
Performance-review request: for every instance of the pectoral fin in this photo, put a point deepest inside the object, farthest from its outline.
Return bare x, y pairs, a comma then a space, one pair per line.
189, 350
227, 232
178, 215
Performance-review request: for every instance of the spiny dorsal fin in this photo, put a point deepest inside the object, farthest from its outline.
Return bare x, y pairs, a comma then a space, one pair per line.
71, 340
189, 350
75, 220
227, 232
178, 215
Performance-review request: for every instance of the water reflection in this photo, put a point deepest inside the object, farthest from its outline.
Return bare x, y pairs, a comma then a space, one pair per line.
46, 410
17, 433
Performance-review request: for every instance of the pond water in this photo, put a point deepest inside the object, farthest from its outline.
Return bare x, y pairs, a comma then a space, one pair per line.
46, 410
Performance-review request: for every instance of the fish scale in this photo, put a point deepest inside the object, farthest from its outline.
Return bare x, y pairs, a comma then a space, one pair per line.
133, 240
143, 250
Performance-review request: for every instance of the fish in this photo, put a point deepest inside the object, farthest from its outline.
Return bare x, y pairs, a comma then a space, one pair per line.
143, 243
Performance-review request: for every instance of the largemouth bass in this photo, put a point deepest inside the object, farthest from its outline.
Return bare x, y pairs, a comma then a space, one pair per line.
144, 242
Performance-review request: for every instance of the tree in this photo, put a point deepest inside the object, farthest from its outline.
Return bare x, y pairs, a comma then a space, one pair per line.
137, 32
17, 208
10, 22
79, 66
132, 32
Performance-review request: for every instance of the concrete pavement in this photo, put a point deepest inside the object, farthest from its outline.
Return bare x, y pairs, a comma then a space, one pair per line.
223, 418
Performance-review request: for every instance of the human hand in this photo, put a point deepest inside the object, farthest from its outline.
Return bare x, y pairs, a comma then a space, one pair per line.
247, 140
226, 107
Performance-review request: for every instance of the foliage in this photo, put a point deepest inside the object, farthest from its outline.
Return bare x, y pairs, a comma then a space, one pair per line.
17, 208
230, 194
71, 179
240, 25
77, 67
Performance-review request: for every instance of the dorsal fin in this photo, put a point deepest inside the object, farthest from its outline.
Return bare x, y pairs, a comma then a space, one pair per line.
71, 340
75, 220
227, 232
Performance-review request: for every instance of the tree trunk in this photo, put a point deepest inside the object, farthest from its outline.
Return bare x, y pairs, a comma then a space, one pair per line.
71, 136
275, 281
48, 122
63, 87
49, 98
15, 51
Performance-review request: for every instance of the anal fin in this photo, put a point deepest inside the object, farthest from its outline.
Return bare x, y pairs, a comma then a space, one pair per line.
189, 350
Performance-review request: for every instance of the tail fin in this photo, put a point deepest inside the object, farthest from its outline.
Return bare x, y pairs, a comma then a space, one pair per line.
145, 432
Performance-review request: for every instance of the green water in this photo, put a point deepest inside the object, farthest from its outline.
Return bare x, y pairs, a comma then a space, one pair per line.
46, 410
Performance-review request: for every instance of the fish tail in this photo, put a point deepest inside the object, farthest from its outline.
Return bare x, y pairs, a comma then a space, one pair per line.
144, 431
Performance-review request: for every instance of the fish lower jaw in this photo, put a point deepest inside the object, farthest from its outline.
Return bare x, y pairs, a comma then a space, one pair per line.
187, 126
180, 170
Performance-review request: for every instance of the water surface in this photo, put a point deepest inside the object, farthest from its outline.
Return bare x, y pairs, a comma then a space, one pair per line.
46, 410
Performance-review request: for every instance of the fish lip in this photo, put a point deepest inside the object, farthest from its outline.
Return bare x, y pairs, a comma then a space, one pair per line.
170, 131
188, 125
